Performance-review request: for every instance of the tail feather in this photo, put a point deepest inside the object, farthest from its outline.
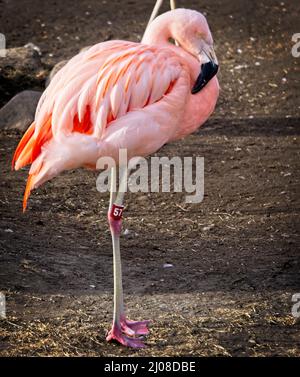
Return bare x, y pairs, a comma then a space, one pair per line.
28, 150
28, 189
25, 156
42, 138
22, 144
31, 180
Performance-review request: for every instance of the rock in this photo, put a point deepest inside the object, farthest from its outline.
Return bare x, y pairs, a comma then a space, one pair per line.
84, 48
19, 112
126, 232
208, 227
20, 69
34, 47
55, 69
22, 58
168, 265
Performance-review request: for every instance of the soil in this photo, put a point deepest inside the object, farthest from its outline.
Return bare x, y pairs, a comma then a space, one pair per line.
235, 255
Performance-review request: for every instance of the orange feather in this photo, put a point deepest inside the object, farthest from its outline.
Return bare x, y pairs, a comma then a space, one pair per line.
22, 144
84, 127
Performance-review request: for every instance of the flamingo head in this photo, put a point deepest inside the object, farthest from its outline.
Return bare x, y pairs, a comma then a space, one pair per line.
191, 31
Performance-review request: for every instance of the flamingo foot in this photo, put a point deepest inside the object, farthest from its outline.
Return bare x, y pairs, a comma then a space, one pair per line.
133, 328
115, 334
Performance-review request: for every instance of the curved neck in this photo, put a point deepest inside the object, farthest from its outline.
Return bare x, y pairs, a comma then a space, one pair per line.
159, 31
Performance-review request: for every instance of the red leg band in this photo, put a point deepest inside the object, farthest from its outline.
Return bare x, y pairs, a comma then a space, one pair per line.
116, 212
115, 218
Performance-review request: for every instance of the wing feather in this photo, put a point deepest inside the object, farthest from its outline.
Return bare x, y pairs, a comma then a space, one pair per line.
110, 80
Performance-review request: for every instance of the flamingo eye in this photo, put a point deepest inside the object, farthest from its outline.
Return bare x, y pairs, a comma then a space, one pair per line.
172, 40
200, 35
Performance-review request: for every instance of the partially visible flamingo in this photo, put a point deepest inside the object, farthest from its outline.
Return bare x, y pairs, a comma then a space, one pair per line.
121, 94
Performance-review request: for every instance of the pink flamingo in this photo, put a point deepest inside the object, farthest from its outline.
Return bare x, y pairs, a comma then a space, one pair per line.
121, 94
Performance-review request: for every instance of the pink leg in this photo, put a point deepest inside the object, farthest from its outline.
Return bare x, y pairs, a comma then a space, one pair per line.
116, 334
133, 328
123, 331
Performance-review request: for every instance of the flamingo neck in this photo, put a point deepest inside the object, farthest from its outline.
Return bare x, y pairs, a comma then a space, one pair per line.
199, 106
159, 31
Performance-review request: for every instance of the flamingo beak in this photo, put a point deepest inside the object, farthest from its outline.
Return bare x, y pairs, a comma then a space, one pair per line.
209, 68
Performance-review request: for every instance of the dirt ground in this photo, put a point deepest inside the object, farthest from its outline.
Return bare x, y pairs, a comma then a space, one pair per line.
235, 256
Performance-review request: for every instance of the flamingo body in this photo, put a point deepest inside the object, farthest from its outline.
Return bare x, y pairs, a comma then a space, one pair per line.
117, 94
120, 94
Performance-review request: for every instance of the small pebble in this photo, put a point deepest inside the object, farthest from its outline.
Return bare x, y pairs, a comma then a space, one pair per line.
208, 227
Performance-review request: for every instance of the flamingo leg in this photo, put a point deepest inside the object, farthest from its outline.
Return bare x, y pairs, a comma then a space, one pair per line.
123, 330
156, 9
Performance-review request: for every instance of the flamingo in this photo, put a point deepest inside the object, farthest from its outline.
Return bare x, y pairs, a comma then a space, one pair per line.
120, 94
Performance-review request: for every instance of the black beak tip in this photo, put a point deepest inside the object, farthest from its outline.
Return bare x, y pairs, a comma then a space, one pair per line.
208, 71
